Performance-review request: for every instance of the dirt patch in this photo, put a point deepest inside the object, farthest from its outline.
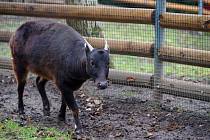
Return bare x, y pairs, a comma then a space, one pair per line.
115, 113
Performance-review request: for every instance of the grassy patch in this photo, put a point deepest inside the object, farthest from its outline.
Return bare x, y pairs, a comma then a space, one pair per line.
4, 50
145, 65
10, 130
132, 63
9, 26
180, 70
132, 32
145, 33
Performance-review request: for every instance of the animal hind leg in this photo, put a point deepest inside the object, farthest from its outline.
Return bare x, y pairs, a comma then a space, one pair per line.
62, 112
41, 82
21, 75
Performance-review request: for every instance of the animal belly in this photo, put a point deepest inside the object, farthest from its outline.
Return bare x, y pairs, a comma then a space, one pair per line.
42, 72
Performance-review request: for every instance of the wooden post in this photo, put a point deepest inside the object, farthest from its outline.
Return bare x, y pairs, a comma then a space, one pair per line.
200, 7
200, 10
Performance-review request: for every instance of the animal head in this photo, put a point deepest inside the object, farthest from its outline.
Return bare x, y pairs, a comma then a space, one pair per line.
98, 64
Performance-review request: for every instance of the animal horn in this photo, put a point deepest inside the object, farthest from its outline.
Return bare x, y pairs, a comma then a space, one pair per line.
88, 45
106, 47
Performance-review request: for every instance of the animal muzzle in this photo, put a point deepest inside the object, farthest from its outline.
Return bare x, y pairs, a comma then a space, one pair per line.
102, 84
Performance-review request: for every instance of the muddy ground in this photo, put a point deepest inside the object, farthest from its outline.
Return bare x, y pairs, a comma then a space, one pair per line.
119, 112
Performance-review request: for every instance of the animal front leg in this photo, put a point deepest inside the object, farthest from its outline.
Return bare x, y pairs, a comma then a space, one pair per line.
69, 99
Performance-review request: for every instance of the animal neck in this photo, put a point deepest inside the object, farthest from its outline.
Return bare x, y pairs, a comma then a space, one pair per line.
83, 70
77, 69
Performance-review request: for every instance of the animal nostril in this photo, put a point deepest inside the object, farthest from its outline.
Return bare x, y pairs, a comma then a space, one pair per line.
99, 84
102, 85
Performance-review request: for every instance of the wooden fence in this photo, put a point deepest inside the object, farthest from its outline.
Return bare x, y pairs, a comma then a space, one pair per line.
110, 14
169, 54
129, 15
170, 5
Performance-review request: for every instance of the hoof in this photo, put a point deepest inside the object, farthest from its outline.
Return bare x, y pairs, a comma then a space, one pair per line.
79, 131
81, 136
21, 112
46, 112
21, 119
61, 118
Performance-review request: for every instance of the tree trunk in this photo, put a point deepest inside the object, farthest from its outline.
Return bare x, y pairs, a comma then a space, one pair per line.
84, 27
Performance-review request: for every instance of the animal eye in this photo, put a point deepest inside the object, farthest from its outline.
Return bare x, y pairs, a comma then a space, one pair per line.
92, 63
107, 66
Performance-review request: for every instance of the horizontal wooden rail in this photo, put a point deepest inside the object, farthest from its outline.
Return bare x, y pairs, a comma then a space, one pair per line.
5, 63
5, 36
169, 54
168, 86
185, 56
111, 14
186, 21
117, 47
50, 1
185, 89
126, 15
169, 5
125, 47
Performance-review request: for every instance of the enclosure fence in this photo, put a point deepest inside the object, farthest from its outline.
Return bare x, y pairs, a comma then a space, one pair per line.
177, 45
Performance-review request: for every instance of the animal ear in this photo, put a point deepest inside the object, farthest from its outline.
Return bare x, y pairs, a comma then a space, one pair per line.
106, 47
88, 47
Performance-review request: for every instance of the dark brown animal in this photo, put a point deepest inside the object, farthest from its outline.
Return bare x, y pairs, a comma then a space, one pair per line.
56, 52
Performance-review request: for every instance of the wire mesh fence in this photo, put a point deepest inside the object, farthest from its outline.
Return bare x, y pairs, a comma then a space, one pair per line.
134, 38
135, 44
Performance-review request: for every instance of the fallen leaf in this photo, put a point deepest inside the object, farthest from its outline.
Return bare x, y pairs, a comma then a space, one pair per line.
50, 134
151, 130
118, 134
131, 121
97, 102
149, 135
88, 109
90, 105
88, 99
172, 126
130, 79
40, 134
97, 113
81, 95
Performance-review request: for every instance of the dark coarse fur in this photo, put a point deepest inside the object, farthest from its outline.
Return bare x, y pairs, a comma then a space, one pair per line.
50, 50
55, 52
